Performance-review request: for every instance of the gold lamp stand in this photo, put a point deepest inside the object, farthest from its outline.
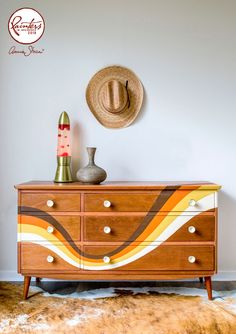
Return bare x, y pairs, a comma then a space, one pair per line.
63, 172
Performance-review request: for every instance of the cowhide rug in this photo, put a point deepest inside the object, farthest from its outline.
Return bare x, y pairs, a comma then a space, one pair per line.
117, 310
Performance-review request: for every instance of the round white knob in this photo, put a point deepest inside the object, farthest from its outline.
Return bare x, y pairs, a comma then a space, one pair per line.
191, 259
107, 204
191, 229
192, 202
107, 229
50, 258
106, 259
50, 229
50, 203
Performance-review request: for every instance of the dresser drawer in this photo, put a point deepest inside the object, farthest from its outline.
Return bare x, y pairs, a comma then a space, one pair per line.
49, 202
35, 257
111, 202
195, 201
164, 257
51, 228
150, 228
112, 228
200, 228
165, 201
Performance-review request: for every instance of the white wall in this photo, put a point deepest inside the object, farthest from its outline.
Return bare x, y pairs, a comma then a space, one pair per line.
184, 52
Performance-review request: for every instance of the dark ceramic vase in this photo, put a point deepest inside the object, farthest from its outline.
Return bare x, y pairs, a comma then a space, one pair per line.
91, 174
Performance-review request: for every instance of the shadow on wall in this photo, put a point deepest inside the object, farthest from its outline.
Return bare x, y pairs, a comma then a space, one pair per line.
143, 108
77, 140
226, 230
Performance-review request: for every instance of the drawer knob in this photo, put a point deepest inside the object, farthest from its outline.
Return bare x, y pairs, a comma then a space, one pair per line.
107, 229
106, 259
50, 229
191, 259
192, 229
107, 204
192, 202
50, 258
50, 203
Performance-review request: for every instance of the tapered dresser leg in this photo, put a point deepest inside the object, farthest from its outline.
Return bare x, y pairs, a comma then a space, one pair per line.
208, 286
201, 279
27, 280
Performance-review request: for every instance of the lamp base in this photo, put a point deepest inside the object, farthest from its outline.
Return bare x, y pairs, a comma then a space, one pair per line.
63, 172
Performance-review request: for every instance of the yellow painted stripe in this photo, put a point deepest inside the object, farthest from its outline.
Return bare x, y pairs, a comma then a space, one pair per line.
130, 250
180, 207
25, 228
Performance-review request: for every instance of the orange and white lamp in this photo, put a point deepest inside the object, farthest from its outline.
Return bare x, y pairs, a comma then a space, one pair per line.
63, 172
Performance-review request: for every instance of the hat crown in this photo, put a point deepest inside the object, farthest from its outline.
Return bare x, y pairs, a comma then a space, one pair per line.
114, 96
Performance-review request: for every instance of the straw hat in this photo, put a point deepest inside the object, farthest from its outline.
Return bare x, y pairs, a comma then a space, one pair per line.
114, 95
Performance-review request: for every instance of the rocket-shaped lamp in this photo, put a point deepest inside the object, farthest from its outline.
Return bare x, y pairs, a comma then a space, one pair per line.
63, 173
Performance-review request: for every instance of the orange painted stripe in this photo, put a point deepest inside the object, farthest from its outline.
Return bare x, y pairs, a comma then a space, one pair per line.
43, 224
168, 206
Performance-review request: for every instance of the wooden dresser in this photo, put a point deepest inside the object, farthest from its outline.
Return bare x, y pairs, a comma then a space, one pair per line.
117, 231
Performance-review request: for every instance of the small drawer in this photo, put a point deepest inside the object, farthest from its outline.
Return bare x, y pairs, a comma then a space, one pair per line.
111, 202
48, 257
49, 202
195, 201
200, 228
112, 228
162, 258
51, 228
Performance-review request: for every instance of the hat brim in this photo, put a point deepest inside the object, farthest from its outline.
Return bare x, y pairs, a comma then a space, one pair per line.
135, 90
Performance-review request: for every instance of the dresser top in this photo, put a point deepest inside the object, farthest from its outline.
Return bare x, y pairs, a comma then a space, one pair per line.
119, 185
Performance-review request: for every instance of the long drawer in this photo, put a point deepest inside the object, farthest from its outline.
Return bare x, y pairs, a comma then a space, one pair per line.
51, 257
49, 202
51, 228
164, 257
112, 202
180, 200
167, 228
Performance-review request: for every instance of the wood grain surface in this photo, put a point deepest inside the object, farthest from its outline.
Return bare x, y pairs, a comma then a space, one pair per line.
34, 258
165, 257
120, 202
62, 201
118, 185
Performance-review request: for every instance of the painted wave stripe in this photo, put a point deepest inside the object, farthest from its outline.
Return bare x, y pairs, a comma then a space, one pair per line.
159, 230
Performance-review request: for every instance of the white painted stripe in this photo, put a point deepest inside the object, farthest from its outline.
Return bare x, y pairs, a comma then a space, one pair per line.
183, 219
179, 221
